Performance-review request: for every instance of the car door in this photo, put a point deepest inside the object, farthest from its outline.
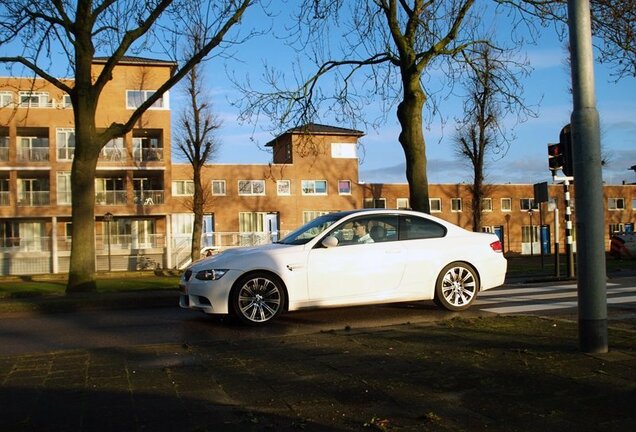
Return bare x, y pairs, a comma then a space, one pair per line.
354, 272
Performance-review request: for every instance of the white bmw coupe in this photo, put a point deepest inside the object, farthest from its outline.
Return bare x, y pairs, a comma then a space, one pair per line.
348, 258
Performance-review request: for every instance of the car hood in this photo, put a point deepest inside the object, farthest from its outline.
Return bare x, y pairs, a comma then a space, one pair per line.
231, 258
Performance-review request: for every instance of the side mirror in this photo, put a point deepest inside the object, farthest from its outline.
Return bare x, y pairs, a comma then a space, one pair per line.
330, 241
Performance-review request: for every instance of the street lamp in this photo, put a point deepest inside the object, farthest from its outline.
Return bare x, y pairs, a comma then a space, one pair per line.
530, 212
108, 218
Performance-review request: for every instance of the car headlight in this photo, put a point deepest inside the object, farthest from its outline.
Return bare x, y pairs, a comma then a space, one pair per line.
210, 274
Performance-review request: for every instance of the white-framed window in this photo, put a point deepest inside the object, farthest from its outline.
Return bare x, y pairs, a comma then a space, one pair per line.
309, 215
526, 204
6, 99
64, 188
283, 187
65, 144
506, 204
344, 187
183, 188
343, 150
456, 205
375, 203
134, 99
435, 204
251, 187
615, 204
218, 187
486, 204
314, 187
402, 203
66, 101
34, 99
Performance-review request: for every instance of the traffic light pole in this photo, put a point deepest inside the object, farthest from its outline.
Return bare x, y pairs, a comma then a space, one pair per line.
588, 181
569, 250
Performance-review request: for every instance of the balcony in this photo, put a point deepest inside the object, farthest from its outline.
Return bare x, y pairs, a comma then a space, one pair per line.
17, 244
112, 154
65, 153
33, 199
33, 154
149, 197
147, 154
116, 197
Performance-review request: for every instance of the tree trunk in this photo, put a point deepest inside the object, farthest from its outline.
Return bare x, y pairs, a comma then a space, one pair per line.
477, 196
409, 113
197, 208
81, 276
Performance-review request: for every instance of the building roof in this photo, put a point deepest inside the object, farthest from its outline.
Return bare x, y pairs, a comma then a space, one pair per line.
137, 61
317, 129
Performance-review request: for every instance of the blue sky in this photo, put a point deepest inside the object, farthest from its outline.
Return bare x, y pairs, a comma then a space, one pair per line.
382, 159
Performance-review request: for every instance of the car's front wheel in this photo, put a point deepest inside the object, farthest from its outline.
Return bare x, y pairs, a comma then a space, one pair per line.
457, 286
257, 298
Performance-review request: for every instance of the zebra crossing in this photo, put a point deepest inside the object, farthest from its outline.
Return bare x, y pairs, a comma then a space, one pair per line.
522, 300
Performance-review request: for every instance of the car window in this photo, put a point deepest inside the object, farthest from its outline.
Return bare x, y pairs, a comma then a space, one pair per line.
413, 227
366, 229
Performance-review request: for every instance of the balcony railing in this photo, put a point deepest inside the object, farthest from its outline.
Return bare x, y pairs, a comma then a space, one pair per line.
32, 199
4, 198
16, 244
33, 154
147, 154
129, 242
149, 197
112, 154
110, 198
4, 154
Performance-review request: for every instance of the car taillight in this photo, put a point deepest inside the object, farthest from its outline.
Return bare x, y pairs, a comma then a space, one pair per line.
496, 246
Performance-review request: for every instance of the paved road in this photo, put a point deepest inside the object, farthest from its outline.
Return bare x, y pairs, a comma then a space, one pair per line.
102, 329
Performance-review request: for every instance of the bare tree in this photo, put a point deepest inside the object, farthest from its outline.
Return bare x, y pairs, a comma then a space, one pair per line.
613, 27
493, 90
385, 55
196, 141
41, 34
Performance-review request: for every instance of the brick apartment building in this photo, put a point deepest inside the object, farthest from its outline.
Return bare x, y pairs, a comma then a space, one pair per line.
143, 199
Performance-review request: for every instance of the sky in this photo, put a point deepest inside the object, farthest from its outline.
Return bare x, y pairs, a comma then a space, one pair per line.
382, 158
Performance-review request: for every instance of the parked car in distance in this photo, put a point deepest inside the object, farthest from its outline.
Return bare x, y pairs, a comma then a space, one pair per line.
348, 258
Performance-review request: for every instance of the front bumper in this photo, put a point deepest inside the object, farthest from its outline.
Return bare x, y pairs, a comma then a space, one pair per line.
211, 297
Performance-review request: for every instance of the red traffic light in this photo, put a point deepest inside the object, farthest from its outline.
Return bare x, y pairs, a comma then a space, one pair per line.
555, 156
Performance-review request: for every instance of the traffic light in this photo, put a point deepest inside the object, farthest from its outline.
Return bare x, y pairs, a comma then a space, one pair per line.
565, 140
560, 154
555, 156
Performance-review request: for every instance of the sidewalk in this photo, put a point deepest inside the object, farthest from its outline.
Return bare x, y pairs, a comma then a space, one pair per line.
486, 374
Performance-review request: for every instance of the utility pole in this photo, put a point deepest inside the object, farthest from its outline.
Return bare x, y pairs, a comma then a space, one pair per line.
588, 182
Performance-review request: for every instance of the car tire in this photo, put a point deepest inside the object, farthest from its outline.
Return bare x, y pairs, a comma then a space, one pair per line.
457, 286
257, 298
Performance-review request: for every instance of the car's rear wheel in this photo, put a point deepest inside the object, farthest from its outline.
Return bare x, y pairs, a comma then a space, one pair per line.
257, 298
457, 286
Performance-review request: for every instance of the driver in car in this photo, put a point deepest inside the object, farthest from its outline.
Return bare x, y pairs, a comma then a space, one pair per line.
360, 233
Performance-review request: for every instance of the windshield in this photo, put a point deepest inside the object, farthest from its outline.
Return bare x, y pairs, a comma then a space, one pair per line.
310, 230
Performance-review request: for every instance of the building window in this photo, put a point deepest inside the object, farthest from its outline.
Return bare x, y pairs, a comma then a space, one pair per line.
506, 204
435, 204
251, 187
314, 187
456, 205
66, 102
218, 187
6, 99
113, 150
134, 99
526, 204
310, 215
251, 221
64, 188
283, 187
615, 204
343, 151
65, 144
375, 203
34, 100
344, 187
183, 188
634, 204
402, 203
486, 204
